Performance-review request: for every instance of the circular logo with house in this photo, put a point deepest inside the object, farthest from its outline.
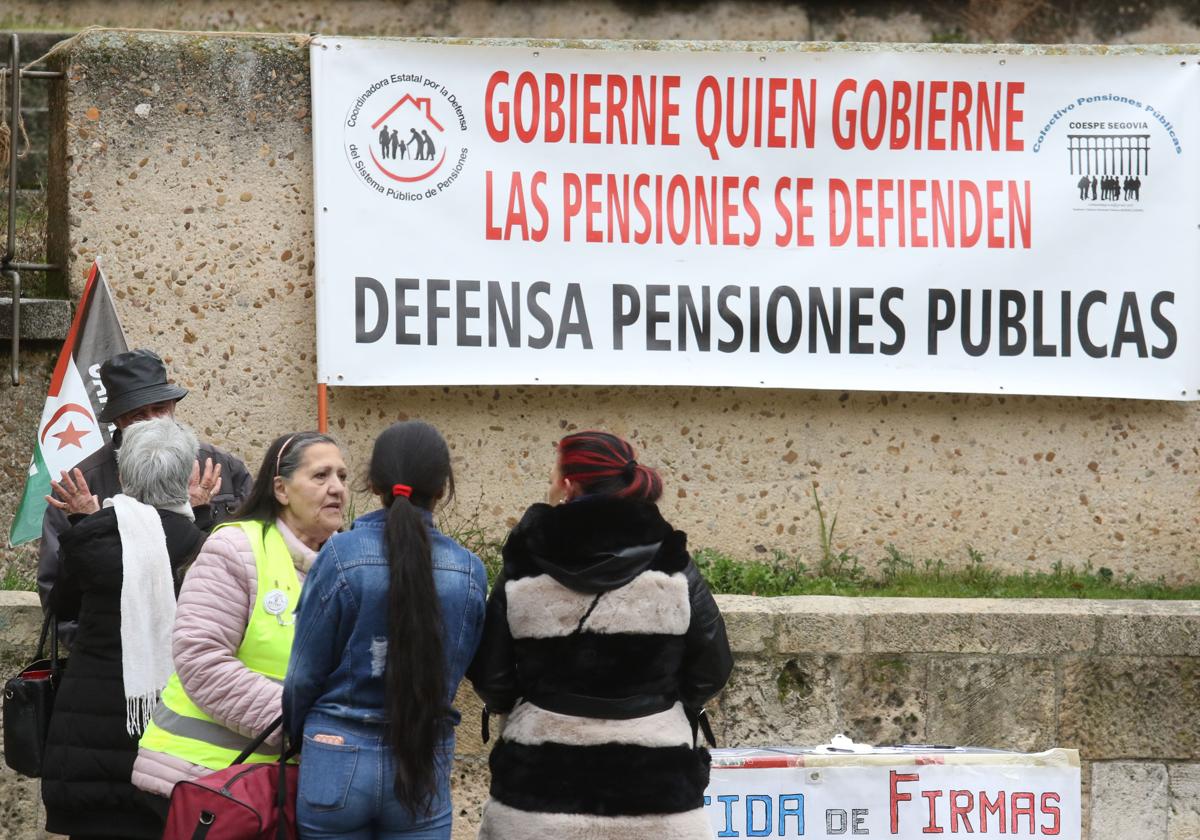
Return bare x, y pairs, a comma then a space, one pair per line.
405, 137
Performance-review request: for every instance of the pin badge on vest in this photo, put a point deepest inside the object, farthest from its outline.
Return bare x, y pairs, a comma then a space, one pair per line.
275, 603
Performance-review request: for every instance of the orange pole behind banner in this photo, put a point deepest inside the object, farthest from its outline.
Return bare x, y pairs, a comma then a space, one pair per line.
322, 408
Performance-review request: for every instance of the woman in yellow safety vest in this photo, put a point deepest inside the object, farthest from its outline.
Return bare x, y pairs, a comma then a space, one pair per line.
234, 621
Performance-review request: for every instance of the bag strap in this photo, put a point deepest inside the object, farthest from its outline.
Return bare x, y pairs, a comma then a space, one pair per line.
47, 622
286, 753
259, 741
55, 661
203, 824
698, 718
282, 831
49, 628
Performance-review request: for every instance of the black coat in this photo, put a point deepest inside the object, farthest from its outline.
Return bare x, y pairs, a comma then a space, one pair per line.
599, 615
593, 546
89, 754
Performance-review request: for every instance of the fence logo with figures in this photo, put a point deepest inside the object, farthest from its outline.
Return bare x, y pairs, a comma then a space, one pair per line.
1111, 166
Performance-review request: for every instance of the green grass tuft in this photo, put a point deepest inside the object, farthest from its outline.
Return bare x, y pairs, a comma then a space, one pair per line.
841, 573
17, 580
902, 577
467, 531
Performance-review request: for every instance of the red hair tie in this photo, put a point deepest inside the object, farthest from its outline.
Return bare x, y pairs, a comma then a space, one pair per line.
401, 490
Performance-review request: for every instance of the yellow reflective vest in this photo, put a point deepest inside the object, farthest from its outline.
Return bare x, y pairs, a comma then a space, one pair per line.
178, 726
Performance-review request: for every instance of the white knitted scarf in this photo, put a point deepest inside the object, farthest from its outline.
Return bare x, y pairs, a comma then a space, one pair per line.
147, 608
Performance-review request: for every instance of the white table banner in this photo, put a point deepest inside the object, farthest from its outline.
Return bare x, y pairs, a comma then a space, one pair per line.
896, 794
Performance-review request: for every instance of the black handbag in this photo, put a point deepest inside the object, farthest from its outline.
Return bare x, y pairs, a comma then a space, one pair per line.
28, 703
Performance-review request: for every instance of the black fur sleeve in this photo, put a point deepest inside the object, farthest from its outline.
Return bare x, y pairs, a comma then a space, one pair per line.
707, 660
493, 671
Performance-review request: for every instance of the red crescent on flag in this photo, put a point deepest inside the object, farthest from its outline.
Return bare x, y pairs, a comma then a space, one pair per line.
64, 409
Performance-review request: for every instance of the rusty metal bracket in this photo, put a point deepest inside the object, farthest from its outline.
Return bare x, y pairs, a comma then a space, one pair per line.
14, 79
16, 325
10, 249
9, 265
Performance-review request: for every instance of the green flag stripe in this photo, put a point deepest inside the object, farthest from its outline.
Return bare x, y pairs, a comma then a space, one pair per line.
27, 524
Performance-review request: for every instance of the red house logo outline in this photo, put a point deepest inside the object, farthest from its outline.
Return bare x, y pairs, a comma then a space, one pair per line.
424, 107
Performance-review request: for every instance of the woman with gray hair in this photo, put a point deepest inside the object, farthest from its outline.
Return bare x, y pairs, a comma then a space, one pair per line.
233, 632
120, 566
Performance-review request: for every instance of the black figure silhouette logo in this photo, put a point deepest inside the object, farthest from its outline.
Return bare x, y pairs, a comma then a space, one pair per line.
1110, 166
409, 158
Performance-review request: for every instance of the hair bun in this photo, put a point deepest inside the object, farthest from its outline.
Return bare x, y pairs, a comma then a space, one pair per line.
603, 464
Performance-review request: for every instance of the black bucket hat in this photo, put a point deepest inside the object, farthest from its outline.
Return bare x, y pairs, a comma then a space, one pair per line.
135, 379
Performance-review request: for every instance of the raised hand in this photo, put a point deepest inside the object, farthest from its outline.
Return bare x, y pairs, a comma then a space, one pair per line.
202, 486
73, 494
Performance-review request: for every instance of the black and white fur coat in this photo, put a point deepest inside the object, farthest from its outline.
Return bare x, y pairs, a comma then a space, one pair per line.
600, 636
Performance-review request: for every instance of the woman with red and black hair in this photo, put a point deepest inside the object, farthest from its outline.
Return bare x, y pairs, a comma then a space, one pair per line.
601, 644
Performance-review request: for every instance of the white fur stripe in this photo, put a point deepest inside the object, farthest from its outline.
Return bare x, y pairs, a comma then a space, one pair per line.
532, 725
653, 602
501, 822
540, 607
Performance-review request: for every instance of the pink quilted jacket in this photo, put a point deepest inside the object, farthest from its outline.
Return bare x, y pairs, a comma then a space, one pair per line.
210, 620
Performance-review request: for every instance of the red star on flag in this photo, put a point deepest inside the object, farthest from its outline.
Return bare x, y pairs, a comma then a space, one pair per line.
70, 436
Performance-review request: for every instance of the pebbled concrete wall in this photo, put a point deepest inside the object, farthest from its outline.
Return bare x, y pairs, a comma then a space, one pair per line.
973, 21
201, 208
21, 813
185, 163
1118, 680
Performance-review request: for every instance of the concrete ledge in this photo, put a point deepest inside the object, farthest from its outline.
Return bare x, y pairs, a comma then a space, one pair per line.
1183, 821
1131, 707
1130, 800
20, 624
1118, 680
1008, 627
41, 319
1150, 631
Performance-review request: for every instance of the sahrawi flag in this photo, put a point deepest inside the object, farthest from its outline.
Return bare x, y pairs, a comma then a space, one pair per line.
70, 429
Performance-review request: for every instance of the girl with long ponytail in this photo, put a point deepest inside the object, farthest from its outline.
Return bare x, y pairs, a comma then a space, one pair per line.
389, 619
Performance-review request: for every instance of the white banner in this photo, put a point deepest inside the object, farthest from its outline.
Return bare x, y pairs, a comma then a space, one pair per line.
917, 221
996, 796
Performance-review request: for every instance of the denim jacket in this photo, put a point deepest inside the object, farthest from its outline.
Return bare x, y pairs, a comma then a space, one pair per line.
338, 656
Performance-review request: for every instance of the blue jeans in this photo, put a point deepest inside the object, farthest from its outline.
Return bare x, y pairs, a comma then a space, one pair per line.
346, 789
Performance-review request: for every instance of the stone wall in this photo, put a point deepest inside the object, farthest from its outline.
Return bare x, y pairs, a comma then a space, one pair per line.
201, 208
1119, 681
981, 21
21, 815
184, 161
